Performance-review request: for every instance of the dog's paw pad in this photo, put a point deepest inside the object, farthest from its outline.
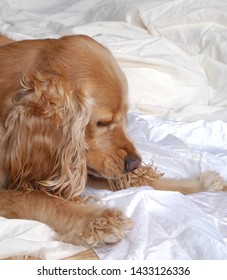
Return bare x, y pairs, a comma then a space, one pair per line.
212, 181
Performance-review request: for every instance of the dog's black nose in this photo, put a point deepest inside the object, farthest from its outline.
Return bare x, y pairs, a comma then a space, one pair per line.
132, 162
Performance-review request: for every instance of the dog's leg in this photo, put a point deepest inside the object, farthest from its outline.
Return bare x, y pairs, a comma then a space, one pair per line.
208, 181
75, 222
149, 176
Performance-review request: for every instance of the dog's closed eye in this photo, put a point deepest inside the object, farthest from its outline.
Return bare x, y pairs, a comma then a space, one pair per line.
103, 123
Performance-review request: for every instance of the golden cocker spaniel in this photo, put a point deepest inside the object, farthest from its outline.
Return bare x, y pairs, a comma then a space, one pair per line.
63, 106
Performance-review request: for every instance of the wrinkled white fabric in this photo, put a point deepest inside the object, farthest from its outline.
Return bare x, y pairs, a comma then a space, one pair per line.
23, 238
173, 53
180, 149
166, 226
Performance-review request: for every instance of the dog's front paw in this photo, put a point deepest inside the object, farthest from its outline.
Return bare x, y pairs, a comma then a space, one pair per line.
107, 228
98, 226
212, 181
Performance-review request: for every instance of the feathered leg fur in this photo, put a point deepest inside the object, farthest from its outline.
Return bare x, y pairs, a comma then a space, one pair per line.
74, 221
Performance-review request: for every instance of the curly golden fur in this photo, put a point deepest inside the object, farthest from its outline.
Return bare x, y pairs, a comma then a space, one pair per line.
63, 105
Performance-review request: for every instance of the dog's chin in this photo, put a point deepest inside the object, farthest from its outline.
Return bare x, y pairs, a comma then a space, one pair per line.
92, 172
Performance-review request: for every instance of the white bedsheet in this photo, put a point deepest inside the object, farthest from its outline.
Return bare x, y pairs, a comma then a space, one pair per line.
174, 56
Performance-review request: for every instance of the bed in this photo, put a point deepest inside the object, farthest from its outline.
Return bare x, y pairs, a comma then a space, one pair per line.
174, 55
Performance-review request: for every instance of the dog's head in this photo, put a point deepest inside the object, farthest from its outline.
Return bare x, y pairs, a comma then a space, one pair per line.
99, 80
64, 107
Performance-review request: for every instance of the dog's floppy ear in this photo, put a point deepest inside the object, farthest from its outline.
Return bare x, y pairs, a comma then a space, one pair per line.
45, 136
